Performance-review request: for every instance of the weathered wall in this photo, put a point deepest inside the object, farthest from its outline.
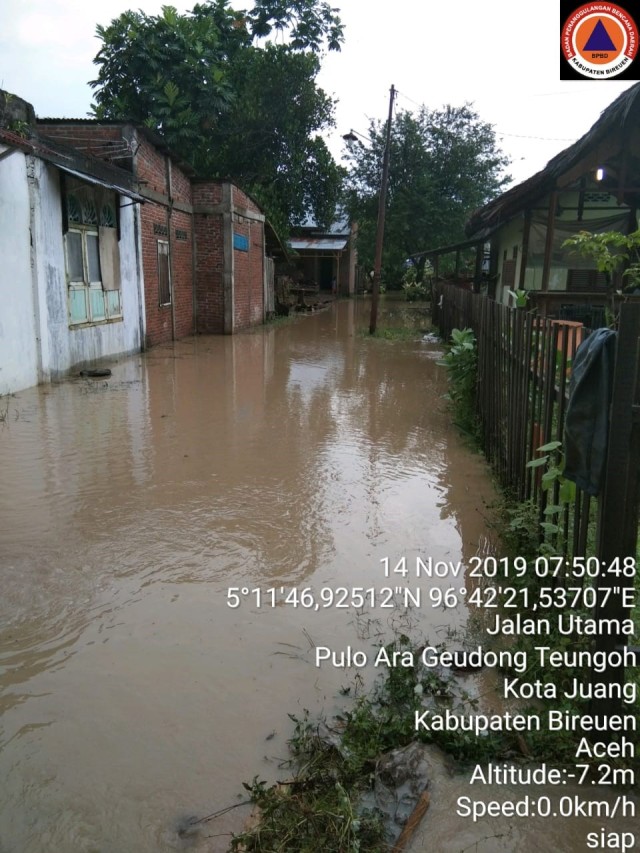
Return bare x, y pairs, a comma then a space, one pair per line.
18, 348
508, 244
166, 216
36, 342
64, 347
216, 288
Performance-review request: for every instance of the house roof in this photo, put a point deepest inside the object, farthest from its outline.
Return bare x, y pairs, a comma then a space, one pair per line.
617, 121
71, 161
318, 244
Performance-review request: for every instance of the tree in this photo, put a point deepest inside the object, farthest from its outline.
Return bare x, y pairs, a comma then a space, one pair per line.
232, 107
269, 140
611, 252
443, 165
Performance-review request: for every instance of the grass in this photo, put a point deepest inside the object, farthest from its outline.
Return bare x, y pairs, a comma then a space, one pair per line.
317, 809
320, 806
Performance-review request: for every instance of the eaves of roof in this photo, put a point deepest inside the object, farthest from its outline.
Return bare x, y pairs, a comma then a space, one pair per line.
620, 116
73, 162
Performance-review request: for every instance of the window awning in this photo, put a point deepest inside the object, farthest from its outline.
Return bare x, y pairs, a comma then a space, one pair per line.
92, 179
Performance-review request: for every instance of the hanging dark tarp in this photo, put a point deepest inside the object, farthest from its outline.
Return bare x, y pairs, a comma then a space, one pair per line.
586, 423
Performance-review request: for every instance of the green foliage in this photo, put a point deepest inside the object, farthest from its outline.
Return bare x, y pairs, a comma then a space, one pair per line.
561, 493
317, 809
610, 251
269, 141
384, 719
520, 298
230, 107
443, 165
522, 533
310, 24
415, 290
394, 333
462, 363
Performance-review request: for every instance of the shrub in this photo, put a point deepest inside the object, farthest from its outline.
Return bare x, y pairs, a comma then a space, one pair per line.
462, 363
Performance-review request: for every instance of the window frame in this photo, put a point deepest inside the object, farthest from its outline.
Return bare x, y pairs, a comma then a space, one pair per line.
98, 305
169, 284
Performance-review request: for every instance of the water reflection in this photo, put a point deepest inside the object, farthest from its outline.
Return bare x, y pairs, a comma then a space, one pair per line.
130, 692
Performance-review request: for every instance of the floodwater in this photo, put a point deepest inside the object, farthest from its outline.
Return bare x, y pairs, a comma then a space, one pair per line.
132, 696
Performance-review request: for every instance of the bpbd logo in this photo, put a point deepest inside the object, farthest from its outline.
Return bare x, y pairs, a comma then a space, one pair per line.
598, 41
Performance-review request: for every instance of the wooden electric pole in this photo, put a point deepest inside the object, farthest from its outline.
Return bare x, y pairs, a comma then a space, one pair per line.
382, 204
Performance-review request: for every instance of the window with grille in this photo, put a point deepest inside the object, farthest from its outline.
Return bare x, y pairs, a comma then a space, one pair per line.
91, 253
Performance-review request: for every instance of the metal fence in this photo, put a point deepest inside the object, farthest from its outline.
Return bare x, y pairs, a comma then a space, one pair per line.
524, 365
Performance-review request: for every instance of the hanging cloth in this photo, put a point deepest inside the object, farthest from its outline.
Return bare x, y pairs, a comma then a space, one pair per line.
586, 426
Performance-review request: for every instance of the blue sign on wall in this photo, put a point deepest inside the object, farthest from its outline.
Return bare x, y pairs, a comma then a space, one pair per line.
240, 242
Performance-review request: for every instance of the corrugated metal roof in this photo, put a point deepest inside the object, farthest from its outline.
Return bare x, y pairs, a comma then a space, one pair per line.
318, 244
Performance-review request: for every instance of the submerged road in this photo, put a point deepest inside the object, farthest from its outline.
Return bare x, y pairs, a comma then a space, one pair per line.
158, 528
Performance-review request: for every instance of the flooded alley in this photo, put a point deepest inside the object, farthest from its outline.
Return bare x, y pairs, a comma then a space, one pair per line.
297, 456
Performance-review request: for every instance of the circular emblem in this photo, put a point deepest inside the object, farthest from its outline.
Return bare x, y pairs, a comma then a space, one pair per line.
599, 40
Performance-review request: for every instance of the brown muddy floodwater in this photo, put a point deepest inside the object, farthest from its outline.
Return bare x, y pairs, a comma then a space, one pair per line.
131, 694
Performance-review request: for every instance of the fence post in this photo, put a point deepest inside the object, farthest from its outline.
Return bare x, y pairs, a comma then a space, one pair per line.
617, 533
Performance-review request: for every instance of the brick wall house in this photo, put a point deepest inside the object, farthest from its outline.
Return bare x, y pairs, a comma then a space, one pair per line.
202, 242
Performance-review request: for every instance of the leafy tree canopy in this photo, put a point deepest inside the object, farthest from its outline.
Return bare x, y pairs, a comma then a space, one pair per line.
443, 165
231, 104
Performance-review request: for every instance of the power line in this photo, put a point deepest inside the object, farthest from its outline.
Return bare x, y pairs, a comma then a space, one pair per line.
502, 133
543, 138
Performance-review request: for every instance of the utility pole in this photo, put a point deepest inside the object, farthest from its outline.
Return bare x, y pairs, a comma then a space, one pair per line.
382, 204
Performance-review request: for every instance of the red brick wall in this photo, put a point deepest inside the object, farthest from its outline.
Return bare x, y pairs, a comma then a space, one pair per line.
248, 274
182, 268
209, 260
249, 266
172, 225
241, 199
98, 140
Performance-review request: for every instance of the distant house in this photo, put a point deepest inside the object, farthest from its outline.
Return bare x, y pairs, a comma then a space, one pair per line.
593, 185
70, 272
326, 258
205, 244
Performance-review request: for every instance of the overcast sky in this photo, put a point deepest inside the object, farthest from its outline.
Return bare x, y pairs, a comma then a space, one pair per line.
498, 54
